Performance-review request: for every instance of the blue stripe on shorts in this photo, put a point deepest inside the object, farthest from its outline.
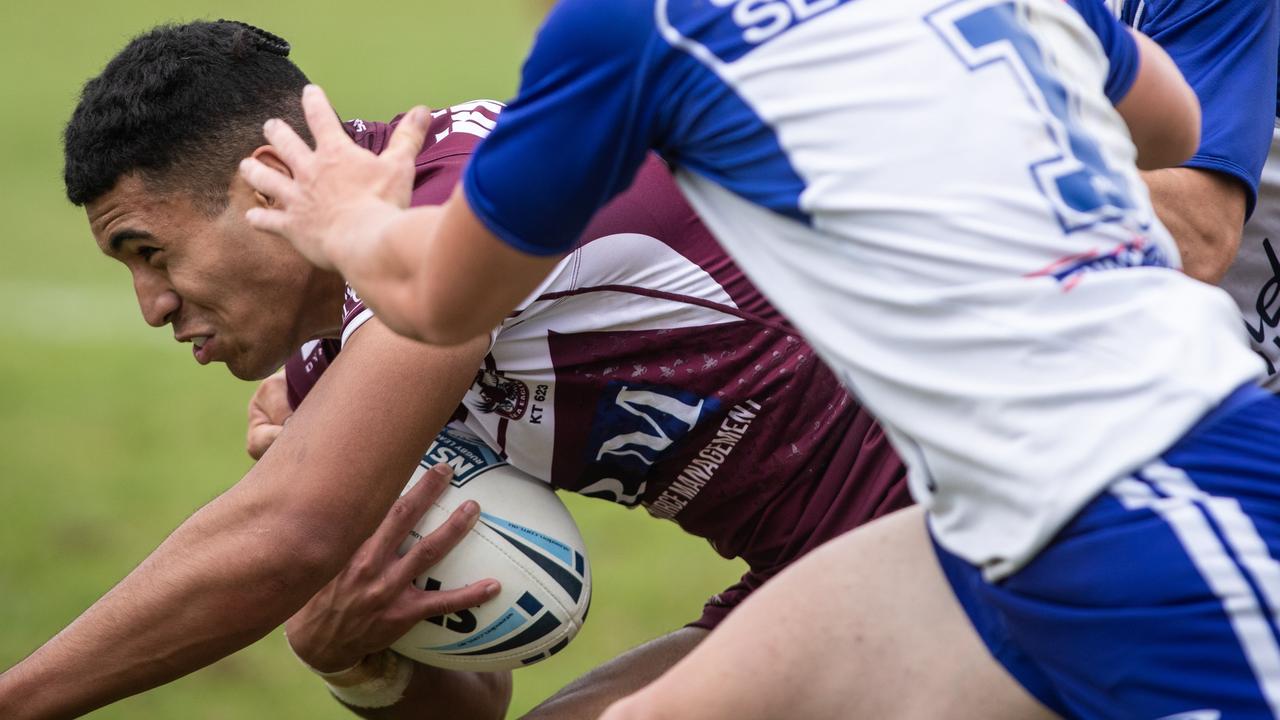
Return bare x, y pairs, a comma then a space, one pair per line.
1160, 598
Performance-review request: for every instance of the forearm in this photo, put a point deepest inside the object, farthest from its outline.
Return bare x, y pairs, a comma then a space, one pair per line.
437, 275
438, 694
385, 265
1204, 211
212, 587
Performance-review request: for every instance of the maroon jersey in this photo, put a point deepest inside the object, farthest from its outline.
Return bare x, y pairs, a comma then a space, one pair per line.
647, 370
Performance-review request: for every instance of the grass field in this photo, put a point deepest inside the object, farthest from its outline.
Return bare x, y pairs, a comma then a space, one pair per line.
110, 434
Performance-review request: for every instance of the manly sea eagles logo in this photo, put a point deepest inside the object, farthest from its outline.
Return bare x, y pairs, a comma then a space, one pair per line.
501, 395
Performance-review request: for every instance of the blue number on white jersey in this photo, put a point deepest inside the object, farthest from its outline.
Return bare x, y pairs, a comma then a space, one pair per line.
1078, 183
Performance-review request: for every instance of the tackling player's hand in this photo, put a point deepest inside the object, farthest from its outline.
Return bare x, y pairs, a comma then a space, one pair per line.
268, 410
373, 601
339, 193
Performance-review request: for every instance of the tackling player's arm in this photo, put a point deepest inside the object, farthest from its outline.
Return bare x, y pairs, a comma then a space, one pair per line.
246, 561
1161, 109
1204, 211
1227, 49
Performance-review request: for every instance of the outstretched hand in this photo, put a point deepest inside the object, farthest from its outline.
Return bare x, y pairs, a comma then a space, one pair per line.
339, 195
373, 601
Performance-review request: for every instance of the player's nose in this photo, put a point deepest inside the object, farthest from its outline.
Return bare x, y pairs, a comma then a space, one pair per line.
156, 299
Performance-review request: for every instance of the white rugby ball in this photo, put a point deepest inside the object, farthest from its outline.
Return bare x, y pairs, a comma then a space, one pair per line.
524, 539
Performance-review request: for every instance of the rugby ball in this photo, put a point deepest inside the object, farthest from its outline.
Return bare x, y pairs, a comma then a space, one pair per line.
524, 539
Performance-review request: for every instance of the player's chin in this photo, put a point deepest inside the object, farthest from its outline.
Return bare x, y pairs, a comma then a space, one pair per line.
252, 366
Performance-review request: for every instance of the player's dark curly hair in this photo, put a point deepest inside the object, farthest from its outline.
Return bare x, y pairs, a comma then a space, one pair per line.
181, 105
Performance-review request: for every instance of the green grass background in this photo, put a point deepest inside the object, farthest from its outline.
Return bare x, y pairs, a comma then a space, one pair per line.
110, 434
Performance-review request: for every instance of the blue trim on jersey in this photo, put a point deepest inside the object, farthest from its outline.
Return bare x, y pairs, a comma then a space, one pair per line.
601, 88
1159, 598
710, 130
1229, 51
1117, 43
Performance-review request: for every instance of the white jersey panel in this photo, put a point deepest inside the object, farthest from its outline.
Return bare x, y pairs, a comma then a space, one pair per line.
1254, 278
976, 307
609, 283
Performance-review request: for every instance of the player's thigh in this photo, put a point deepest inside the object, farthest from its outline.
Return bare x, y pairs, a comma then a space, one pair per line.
590, 694
865, 626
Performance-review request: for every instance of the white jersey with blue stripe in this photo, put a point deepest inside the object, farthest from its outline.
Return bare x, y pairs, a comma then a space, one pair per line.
941, 197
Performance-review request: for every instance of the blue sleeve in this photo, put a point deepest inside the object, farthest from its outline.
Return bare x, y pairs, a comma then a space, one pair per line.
577, 131
1227, 49
1121, 48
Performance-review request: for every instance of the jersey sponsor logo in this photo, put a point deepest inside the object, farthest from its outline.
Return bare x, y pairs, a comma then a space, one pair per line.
500, 395
467, 455
663, 419
761, 20
1070, 270
1267, 305
635, 425
732, 28
702, 468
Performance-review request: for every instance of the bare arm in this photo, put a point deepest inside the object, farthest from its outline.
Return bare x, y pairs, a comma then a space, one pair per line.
1161, 110
1205, 212
246, 561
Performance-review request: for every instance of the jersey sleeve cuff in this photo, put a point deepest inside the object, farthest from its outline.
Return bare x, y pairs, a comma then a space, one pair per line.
1230, 169
356, 323
1124, 70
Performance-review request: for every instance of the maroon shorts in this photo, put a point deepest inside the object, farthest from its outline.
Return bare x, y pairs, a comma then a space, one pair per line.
857, 478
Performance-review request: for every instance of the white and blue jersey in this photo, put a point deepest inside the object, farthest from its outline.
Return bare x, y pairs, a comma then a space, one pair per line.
941, 197
1227, 50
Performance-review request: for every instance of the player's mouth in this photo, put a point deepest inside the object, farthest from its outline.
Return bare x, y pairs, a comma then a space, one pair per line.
202, 347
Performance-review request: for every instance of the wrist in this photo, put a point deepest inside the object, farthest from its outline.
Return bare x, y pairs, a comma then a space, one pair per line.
321, 663
361, 231
376, 680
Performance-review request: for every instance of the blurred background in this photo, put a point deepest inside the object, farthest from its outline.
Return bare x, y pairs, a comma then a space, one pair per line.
110, 434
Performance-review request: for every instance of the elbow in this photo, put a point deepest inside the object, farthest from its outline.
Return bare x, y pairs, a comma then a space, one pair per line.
1212, 253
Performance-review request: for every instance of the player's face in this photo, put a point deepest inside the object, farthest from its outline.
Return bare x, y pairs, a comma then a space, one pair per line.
241, 297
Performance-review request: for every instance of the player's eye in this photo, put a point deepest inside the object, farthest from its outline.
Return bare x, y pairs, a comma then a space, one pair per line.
147, 252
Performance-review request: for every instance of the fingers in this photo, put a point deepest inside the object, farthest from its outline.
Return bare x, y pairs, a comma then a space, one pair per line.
321, 118
268, 220
433, 548
444, 602
291, 148
406, 141
261, 438
409, 509
268, 181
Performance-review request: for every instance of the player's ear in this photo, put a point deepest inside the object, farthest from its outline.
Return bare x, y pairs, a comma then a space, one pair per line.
268, 156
